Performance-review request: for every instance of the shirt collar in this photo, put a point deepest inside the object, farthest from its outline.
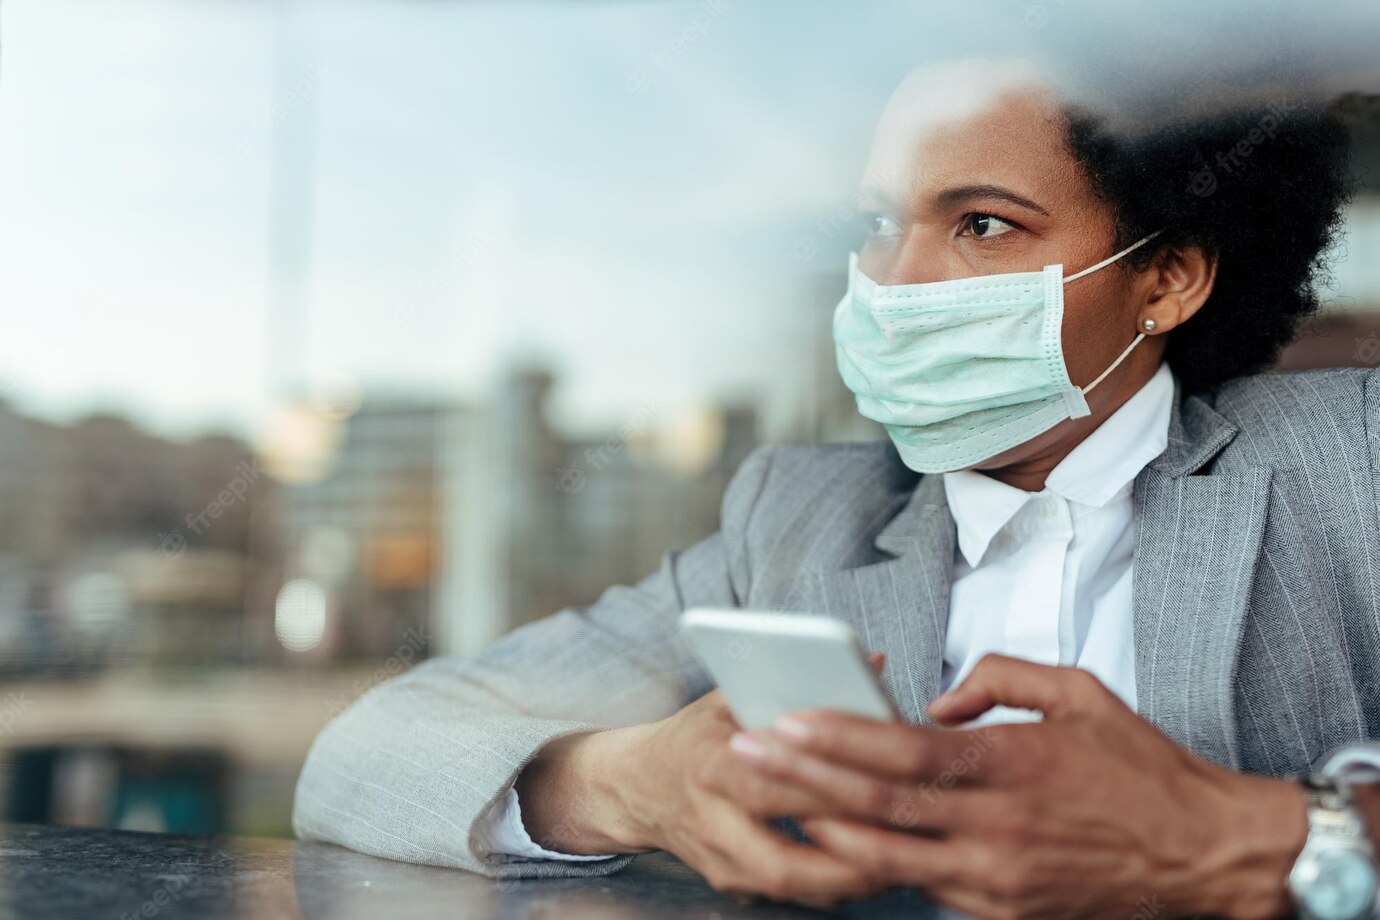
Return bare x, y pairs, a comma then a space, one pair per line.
1102, 466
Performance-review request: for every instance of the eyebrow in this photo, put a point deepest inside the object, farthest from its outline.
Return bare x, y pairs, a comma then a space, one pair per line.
961, 193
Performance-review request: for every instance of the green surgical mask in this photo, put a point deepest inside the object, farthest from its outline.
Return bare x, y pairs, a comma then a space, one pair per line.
959, 371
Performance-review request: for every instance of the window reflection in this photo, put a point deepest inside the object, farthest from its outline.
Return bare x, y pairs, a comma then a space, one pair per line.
335, 341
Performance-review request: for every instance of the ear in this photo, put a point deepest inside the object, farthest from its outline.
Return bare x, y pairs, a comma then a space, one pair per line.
1178, 284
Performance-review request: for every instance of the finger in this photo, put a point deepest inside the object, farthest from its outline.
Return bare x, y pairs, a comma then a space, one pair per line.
999, 680
730, 777
840, 791
752, 859
757, 792
891, 858
894, 750
878, 661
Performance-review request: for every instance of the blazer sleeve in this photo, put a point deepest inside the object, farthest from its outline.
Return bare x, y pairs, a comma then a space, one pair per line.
407, 771
1371, 390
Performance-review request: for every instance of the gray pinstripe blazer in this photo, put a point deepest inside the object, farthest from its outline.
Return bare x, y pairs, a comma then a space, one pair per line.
1256, 608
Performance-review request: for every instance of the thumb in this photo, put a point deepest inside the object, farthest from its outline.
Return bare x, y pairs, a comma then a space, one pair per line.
878, 661
999, 680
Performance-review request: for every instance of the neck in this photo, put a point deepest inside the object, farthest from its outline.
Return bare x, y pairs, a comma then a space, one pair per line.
1028, 466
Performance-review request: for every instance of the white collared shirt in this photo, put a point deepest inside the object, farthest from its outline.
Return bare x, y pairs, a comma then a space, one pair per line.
1039, 575
1046, 576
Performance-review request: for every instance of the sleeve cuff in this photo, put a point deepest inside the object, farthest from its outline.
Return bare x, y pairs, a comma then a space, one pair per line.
505, 835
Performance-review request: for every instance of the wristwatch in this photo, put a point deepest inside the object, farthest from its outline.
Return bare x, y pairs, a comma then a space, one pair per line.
1334, 877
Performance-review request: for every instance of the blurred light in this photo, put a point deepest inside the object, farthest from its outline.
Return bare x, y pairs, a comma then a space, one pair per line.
98, 602
689, 440
401, 560
300, 615
299, 444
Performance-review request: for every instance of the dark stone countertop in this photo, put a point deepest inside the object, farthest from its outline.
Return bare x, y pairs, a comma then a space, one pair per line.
87, 873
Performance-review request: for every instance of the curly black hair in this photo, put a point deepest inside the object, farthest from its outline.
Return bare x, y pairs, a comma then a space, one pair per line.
1262, 189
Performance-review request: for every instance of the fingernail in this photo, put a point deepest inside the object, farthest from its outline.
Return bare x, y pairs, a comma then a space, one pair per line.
794, 728
942, 700
748, 747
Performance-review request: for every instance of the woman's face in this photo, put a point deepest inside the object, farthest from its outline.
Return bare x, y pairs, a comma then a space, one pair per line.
969, 174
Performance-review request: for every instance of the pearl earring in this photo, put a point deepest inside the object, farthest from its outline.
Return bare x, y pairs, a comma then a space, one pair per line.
1148, 325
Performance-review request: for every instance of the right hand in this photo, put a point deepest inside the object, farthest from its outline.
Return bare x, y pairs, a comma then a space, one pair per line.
674, 785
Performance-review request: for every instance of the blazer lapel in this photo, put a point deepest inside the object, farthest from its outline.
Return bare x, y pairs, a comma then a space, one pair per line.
1197, 542
899, 605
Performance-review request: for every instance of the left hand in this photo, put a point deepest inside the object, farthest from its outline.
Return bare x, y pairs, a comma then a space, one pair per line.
1092, 812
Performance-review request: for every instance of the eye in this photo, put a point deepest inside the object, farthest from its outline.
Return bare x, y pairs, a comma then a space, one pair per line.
881, 225
984, 226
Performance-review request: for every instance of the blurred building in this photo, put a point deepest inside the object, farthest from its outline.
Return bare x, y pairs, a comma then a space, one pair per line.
116, 544
367, 533
539, 520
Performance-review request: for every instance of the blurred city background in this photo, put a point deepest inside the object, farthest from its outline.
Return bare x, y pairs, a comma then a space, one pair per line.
339, 335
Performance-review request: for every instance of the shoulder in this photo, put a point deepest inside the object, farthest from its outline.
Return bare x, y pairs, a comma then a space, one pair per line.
808, 495
1297, 392
1296, 418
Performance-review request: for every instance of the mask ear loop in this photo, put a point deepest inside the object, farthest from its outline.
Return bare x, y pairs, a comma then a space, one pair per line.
1103, 376
1139, 338
1112, 258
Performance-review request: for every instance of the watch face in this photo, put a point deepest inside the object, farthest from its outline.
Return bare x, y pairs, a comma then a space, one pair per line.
1343, 886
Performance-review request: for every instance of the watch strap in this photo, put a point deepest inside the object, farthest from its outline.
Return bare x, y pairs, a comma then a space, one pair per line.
1353, 764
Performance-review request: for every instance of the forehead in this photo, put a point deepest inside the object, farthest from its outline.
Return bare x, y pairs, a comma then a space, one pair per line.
972, 123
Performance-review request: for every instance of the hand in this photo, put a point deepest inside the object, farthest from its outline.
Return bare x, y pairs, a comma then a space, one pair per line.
673, 785
1092, 812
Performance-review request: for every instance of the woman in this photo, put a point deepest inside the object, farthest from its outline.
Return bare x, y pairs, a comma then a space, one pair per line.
1063, 329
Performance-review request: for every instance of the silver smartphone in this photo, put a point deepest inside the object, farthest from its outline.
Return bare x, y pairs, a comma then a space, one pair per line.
771, 664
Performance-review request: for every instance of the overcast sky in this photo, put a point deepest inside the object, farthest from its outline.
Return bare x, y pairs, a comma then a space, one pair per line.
205, 204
